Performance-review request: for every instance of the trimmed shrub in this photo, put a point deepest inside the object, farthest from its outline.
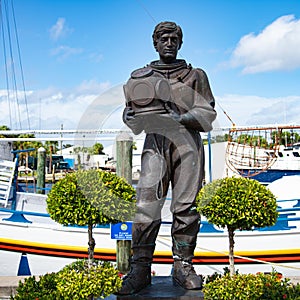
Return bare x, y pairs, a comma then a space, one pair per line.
80, 280
41, 288
77, 281
237, 203
251, 287
91, 197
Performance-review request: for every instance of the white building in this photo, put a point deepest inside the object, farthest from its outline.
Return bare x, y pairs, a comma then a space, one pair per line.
87, 160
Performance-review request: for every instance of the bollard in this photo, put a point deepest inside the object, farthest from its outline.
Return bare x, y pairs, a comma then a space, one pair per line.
124, 169
24, 269
41, 170
124, 156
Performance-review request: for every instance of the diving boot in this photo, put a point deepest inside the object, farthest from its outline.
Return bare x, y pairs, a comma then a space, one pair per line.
137, 279
184, 274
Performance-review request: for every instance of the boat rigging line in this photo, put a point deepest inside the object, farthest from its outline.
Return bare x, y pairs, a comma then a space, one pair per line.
225, 113
8, 27
168, 240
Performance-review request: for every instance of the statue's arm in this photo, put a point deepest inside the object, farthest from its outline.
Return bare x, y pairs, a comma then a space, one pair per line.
202, 114
133, 122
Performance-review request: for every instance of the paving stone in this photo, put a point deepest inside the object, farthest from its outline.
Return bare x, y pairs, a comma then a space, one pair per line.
162, 288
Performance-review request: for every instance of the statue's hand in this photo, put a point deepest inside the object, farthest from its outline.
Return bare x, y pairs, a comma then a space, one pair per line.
186, 119
132, 121
173, 114
128, 114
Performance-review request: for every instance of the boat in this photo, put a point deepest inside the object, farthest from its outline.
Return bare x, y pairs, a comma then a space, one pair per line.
264, 153
286, 164
29, 236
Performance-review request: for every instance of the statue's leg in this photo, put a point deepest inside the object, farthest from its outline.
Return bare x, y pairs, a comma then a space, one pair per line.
151, 193
186, 181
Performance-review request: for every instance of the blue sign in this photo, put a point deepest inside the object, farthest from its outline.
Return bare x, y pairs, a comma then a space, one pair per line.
121, 231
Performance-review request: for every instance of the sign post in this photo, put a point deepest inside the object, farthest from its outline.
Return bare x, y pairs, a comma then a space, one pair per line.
121, 230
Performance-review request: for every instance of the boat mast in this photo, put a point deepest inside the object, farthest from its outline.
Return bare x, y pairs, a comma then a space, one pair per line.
11, 49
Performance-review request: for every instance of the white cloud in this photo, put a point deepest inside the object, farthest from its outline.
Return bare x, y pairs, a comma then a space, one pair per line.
96, 57
93, 86
87, 105
253, 110
275, 48
63, 52
59, 29
94, 105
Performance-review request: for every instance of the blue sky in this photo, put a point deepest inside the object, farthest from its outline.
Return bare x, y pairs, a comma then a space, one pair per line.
77, 54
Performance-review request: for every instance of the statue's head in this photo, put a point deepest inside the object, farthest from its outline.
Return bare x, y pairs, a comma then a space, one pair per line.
166, 27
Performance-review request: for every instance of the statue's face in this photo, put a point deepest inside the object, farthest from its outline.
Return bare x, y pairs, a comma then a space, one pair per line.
167, 46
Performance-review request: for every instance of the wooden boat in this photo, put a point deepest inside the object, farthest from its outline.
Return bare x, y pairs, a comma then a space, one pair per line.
264, 153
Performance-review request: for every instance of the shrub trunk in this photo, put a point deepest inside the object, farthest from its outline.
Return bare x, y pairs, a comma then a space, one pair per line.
231, 251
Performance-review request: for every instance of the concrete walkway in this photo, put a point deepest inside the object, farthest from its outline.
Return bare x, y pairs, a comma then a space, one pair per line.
8, 285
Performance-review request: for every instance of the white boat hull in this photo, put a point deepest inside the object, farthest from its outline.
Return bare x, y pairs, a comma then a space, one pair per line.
49, 246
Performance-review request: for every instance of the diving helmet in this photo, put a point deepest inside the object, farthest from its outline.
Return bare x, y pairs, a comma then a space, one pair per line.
147, 92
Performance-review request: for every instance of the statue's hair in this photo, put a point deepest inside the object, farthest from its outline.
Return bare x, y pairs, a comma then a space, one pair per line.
164, 27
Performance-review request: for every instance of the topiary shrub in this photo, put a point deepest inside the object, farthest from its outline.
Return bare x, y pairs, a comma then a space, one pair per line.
251, 287
91, 197
237, 203
80, 280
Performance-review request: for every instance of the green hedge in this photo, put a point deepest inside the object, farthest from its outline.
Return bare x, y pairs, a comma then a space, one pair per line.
76, 281
251, 287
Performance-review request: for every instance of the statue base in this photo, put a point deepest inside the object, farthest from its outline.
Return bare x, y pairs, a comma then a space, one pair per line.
162, 288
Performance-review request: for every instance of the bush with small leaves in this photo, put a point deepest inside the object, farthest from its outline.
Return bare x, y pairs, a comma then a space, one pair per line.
81, 280
91, 197
251, 287
237, 203
77, 281
41, 288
